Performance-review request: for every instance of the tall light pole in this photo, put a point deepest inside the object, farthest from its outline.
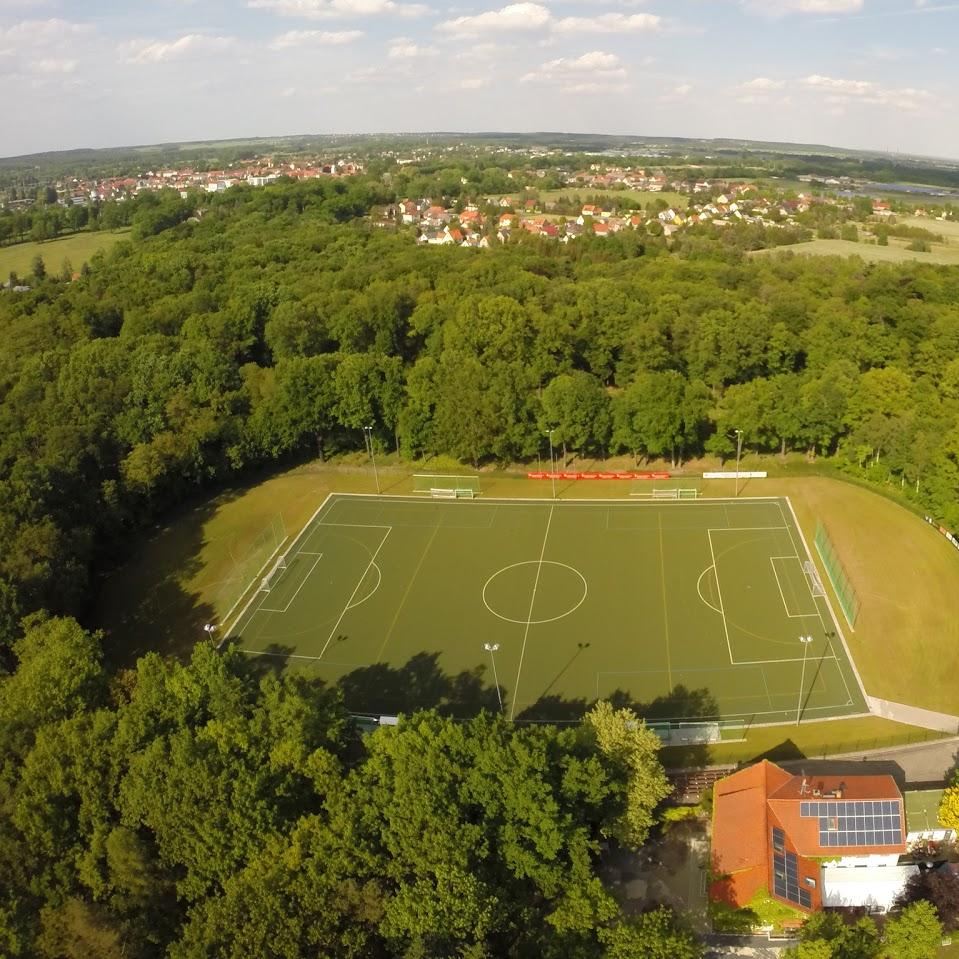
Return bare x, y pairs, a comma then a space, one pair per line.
368, 436
491, 648
805, 640
552, 467
208, 628
739, 452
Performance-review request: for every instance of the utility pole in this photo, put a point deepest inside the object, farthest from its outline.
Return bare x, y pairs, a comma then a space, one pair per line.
805, 640
739, 453
368, 436
552, 467
491, 648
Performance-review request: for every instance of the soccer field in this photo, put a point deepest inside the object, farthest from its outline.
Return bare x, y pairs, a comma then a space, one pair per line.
683, 609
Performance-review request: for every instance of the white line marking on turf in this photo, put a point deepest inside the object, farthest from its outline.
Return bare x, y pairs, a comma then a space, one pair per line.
529, 615
267, 609
699, 590
772, 562
336, 625
379, 579
719, 596
662, 581
409, 586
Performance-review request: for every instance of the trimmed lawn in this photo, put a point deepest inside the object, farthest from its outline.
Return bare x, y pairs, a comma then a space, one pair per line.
78, 248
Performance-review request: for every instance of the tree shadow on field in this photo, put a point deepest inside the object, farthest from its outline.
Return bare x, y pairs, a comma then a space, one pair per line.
381, 689
141, 604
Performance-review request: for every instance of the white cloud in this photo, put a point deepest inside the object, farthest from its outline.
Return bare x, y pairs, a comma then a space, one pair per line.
515, 16
191, 45
43, 33
338, 9
403, 48
54, 65
43, 48
473, 83
310, 38
762, 85
593, 72
838, 91
778, 8
611, 23
677, 93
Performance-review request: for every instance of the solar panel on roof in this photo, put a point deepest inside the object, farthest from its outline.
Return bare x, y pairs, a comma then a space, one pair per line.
865, 822
786, 872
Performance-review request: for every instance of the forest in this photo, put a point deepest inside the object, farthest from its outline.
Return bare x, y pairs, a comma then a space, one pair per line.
144, 811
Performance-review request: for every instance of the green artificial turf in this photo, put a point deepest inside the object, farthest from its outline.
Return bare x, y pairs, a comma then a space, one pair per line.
683, 609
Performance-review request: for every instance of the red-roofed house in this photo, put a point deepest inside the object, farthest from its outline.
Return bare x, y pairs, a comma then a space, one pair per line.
771, 831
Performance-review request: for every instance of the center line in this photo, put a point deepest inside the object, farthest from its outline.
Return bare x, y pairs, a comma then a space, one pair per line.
529, 615
662, 580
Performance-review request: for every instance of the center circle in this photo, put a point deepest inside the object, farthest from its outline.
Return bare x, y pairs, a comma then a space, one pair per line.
513, 592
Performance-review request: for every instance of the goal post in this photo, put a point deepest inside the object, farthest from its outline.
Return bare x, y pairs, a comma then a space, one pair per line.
278, 567
446, 486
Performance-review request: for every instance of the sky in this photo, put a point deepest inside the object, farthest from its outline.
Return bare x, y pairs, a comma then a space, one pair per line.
871, 74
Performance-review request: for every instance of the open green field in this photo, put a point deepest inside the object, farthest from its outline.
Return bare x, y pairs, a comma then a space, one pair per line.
683, 609
896, 252
623, 198
78, 248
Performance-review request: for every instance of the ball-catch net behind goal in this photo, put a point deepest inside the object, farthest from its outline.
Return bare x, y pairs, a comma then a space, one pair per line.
446, 486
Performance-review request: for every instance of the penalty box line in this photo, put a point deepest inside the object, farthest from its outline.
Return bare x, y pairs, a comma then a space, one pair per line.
359, 583
722, 605
270, 609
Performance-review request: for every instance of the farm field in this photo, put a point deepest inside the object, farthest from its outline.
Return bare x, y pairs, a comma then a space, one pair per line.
78, 248
896, 252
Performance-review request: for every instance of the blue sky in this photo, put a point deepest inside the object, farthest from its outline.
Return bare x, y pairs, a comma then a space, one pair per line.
880, 74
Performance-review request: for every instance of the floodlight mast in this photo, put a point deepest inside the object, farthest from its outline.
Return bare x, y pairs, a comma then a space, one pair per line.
739, 451
368, 436
491, 648
552, 467
805, 640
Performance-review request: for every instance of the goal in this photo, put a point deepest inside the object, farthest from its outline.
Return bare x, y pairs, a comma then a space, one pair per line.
446, 486
812, 574
676, 492
267, 584
440, 492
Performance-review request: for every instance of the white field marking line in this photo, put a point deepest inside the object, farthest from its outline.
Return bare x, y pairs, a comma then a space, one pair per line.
359, 583
529, 615
255, 579
409, 587
832, 612
772, 562
719, 596
536, 622
546, 501
743, 662
304, 552
228, 632
355, 525
662, 581
762, 672
379, 579
698, 590
266, 609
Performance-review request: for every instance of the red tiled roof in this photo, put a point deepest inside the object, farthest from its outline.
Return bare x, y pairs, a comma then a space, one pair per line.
750, 802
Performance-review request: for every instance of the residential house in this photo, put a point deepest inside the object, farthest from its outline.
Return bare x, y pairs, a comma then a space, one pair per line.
808, 841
